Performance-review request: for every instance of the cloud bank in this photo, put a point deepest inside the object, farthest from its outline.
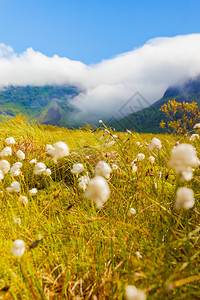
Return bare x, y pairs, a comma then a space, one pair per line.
107, 86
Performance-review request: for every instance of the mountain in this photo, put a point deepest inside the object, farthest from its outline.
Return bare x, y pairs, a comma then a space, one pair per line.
51, 105
46, 104
148, 119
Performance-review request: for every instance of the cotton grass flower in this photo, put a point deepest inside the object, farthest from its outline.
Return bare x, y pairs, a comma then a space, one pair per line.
132, 211
138, 255
196, 126
7, 151
17, 220
138, 144
23, 199
33, 161
155, 144
18, 248
59, 150
15, 169
40, 168
1, 175
134, 167
194, 137
47, 172
115, 167
187, 174
15, 187
184, 198
103, 169
10, 141
77, 169
4, 166
183, 158
83, 181
151, 159
140, 156
98, 191
33, 191
20, 154
132, 293
49, 148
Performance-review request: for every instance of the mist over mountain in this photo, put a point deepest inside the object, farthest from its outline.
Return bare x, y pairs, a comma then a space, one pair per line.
105, 87
191, 86
51, 104
148, 119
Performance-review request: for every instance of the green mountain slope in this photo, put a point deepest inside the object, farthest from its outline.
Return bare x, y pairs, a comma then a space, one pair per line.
47, 104
147, 120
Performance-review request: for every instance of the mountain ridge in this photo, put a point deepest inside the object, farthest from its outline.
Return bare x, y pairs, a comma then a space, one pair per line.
46, 104
148, 119
51, 104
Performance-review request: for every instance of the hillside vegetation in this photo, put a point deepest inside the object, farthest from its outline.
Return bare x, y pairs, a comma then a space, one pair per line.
148, 119
82, 251
46, 104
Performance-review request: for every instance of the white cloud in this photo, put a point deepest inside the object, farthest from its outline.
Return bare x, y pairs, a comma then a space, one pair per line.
150, 70
34, 68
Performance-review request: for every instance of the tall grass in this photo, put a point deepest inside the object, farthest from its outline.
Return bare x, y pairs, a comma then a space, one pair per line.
89, 253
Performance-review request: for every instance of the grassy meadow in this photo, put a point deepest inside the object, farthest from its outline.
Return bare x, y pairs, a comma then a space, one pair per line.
91, 253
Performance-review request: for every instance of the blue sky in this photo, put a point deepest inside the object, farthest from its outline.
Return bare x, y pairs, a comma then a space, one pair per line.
89, 30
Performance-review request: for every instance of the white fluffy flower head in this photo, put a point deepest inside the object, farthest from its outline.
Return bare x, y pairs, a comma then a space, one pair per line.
184, 198
33, 191
23, 199
40, 168
134, 167
59, 150
7, 151
18, 248
77, 169
17, 220
98, 191
10, 141
132, 293
138, 255
33, 161
15, 187
194, 137
83, 181
132, 211
4, 166
183, 159
151, 159
103, 169
15, 169
140, 156
115, 167
1, 175
20, 154
47, 172
196, 126
155, 144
